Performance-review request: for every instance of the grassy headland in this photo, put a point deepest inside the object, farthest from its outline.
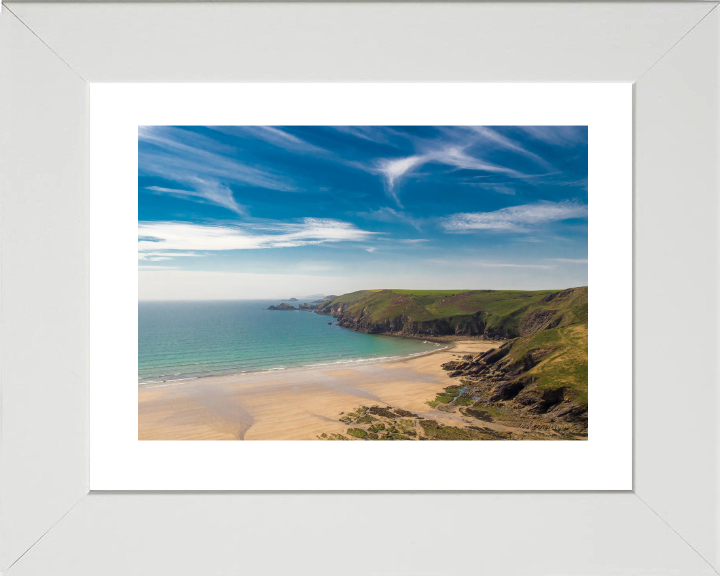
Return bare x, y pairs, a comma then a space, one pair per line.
499, 314
537, 378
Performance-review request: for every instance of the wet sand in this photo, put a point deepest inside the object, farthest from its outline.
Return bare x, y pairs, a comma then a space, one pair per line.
293, 404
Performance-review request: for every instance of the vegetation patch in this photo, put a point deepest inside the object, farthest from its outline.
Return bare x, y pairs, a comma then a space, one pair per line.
464, 401
384, 412
444, 398
437, 431
357, 432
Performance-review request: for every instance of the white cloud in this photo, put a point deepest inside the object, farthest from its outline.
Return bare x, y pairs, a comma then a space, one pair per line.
515, 218
271, 135
457, 157
181, 156
557, 135
387, 214
155, 256
160, 237
202, 167
571, 260
498, 188
212, 192
376, 134
413, 240
394, 169
509, 144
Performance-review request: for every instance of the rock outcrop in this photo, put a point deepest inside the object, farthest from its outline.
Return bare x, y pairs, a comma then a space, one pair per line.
499, 381
282, 306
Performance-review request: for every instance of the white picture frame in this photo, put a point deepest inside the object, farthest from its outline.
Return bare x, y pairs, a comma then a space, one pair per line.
50, 523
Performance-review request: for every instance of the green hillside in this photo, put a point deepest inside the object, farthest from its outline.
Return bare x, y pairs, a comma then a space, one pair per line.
490, 313
537, 379
563, 353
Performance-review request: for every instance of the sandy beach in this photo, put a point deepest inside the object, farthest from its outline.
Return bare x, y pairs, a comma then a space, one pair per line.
295, 404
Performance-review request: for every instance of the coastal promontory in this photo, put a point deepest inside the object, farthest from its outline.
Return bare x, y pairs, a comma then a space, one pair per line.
282, 306
537, 375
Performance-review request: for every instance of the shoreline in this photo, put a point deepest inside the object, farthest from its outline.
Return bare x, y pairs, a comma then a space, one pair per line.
295, 404
290, 369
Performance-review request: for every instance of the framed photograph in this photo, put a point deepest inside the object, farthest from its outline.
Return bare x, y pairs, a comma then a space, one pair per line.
454, 248
269, 265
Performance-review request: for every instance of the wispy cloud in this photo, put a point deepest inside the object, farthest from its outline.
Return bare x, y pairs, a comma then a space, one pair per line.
394, 169
489, 264
467, 148
413, 240
571, 260
375, 134
558, 135
201, 168
387, 214
497, 188
161, 237
460, 148
509, 144
157, 256
455, 156
212, 192
272, 135
515, 218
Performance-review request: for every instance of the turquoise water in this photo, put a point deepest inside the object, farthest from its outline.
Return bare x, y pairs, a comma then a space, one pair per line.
181, 340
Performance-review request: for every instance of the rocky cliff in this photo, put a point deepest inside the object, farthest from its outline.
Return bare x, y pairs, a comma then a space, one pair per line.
537, 378
485, 313
540, 384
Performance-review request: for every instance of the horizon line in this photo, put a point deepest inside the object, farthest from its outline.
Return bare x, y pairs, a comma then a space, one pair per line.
361, 290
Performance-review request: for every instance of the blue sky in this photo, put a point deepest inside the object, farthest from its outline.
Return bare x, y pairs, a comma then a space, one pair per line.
255, 212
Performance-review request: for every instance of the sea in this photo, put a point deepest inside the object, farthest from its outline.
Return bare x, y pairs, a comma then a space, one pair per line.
185, 340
